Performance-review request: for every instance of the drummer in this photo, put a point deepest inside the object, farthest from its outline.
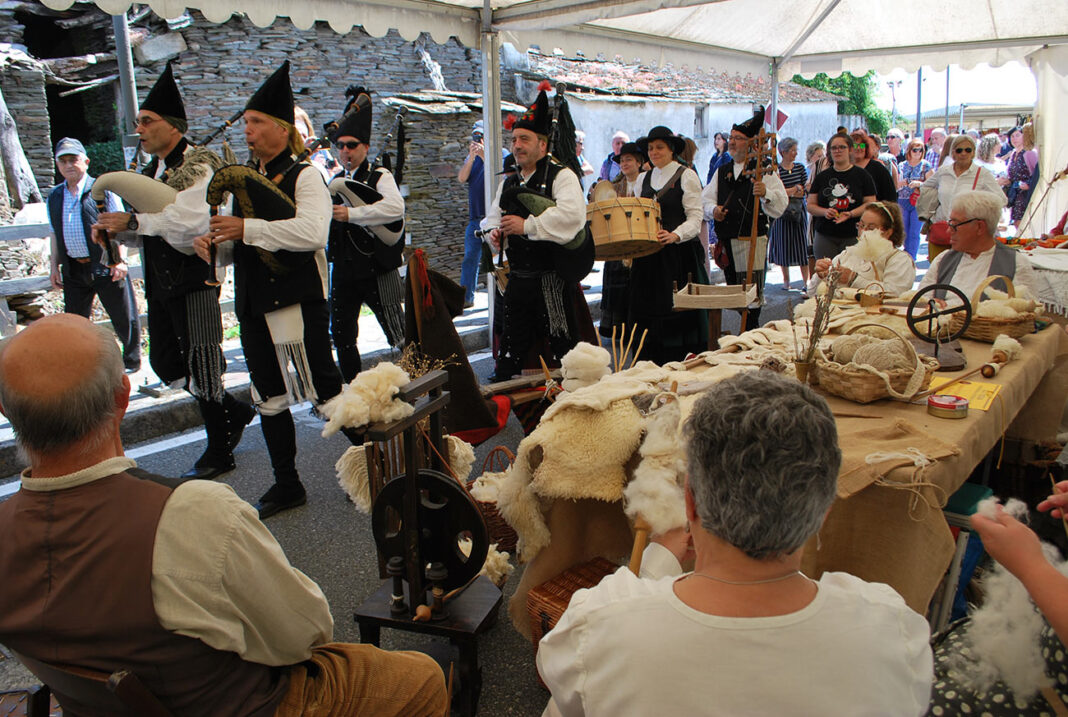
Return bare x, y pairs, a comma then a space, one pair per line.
616, 281
681, 258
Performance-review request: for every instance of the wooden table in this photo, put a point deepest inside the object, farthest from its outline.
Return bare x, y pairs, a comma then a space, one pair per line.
869, 531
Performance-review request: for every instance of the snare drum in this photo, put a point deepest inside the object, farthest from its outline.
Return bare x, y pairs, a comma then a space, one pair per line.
624, 227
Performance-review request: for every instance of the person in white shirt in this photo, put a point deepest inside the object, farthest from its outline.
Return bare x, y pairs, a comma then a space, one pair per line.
974, 253
860, 266
728, 200
745, 633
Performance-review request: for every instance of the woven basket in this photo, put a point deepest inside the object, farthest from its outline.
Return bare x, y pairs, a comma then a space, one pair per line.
863, 387
499, 460
547, 602
987, 329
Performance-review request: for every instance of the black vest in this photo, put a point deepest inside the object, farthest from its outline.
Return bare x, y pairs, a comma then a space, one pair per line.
168, 272
736, 196
259, 289
526, 255
672, 213
366, 254
89, 215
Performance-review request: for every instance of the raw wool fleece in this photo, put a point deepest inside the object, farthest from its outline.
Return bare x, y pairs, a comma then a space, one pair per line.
496, 568
871, 247
353, 478
1003, 636
584, 365
487, 486
369, 398
655, 492
1008, 346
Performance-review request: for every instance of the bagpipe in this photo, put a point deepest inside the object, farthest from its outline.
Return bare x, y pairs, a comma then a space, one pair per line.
573, 260
141, 193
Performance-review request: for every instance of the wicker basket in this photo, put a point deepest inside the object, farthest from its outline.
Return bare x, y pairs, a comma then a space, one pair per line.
864, 387
987, 329
499, 460
547, 602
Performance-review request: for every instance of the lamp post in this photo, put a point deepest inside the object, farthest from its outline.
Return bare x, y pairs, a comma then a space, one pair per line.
893, 85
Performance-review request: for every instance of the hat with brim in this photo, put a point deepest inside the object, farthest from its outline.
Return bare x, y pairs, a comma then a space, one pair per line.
275, 96
69, 145
677, 144
632, 149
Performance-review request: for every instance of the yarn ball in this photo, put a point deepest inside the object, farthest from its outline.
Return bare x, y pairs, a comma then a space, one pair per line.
885, 355
844, 347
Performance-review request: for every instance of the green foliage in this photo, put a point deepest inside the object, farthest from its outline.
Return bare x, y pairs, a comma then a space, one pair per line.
105, 157
857, 93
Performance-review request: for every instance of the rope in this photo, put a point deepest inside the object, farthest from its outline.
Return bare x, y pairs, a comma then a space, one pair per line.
915, 484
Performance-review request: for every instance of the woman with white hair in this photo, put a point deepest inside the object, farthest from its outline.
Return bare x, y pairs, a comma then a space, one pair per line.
787, 238
746, 632
961, 174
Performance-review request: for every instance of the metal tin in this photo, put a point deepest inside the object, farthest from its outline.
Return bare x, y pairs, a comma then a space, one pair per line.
947, 406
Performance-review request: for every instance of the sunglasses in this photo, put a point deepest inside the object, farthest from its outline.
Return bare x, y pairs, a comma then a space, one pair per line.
916, 149
963, 150
860, 145
348, 145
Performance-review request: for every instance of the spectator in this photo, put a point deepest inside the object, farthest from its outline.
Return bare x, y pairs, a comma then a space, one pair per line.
720, 157
78, 264
888, 160
863, 155
738, 634
913, 172
610, 166
938, 140
473, 172
587, 169
1022, 167
894, 271
787, 239
321, 158
894, 140
108, 567
836, 199
986, 156
815, 160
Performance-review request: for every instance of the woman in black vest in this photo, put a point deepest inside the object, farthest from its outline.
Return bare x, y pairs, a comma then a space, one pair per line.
681, 258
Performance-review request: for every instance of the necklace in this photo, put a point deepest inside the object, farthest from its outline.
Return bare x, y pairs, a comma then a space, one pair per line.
748, 582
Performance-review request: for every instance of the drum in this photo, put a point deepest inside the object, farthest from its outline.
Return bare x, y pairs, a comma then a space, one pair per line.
624, 227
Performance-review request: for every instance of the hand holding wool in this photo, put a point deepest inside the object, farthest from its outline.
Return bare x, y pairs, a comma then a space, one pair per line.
1056, 504
1010, 542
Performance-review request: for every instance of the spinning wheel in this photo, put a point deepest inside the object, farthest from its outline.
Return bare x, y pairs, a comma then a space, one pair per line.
926, 327
446, 514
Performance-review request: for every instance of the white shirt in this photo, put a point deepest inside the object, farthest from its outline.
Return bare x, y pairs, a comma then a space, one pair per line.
385, 211
218, 574
773, 203
949, 185
630, 647
897, 272
187, 218
691, 195
557, 224
972, 272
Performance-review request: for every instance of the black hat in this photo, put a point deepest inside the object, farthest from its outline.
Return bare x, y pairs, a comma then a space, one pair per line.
356, 119
537, 118
509, 165
751, 126
164, 98
663, 133
275, 96
630, 148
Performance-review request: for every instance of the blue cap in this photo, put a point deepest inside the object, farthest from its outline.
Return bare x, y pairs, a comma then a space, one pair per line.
69, 145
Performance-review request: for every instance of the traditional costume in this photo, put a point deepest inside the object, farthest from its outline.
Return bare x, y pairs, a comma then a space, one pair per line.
184, 320
962, 271
364, 266
280, 278
541, 306
653, 278
615, 283
734, 193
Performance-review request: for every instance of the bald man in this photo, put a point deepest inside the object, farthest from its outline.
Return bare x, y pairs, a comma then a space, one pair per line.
184, 587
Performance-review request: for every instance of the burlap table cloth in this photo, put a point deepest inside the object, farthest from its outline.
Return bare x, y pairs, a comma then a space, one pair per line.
880, 528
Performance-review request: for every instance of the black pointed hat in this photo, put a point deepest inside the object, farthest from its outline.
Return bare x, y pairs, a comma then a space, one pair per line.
665, 134
751, 126
275, 96
356, 119
537, 118
164, 98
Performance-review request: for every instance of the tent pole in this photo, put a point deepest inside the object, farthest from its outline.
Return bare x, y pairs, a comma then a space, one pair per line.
919, 104
774, 114
491, 120
127, 85
946, 124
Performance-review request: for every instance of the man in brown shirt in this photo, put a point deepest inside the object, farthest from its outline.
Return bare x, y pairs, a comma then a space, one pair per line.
184, 587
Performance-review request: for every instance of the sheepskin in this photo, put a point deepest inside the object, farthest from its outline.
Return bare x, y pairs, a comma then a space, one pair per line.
369, 398
655, 492
1003, 637
487, 486
584, 365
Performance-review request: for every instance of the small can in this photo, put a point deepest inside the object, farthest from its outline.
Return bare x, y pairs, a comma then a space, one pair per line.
947, 406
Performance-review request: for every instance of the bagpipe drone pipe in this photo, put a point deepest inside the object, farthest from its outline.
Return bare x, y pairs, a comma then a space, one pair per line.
141, 193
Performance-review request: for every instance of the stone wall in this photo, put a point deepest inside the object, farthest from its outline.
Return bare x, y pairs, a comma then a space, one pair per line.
24, 93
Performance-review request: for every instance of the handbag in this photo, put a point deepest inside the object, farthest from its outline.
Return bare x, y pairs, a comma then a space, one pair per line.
795, 210
939, 231
915, 196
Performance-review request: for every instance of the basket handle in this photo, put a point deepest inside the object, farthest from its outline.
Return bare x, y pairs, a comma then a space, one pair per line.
499, 459
908, 344
985, 284
913, 386
874, 283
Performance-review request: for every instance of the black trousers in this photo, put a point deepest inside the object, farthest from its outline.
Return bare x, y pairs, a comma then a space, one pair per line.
169, 342
349, 291
83, 282
526, 324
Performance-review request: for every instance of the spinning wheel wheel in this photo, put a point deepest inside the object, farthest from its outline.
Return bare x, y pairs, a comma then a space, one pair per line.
446, 514
933, 333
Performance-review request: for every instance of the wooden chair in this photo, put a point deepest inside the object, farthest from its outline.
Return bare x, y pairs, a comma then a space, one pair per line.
118, 693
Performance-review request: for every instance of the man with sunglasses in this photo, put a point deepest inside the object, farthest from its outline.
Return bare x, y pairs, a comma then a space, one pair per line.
184, 320
365, 267
974, 253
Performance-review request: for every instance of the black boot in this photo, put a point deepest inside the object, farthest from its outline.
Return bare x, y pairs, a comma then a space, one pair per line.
281, 438
218, 457
238, 415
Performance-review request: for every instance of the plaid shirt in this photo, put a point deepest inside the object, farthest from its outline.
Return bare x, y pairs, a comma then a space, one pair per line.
73, 228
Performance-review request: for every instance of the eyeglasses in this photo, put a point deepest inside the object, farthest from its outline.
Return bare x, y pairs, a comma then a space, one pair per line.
862, 227
348, 145
954, 226
842, 147
963, 150
146, 121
